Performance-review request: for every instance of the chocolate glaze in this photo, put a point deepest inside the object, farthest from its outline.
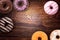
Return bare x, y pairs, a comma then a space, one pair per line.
5, 6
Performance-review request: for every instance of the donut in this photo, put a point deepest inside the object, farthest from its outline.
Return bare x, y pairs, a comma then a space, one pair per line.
20, 5
51, 8
55, 35
6, 24
5, 6
39, 34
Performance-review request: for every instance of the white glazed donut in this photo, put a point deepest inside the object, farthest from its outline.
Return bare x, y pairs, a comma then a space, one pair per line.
51, 7
6, 25
55, 35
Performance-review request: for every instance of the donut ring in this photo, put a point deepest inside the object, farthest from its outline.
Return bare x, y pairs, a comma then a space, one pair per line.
51, 7
39, 34
55, 35
5, 6
6, 25
20, 5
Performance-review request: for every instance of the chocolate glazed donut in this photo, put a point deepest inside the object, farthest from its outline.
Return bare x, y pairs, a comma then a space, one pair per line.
5, 6
6, 24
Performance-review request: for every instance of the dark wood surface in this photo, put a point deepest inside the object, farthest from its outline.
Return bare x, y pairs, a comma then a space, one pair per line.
31, 20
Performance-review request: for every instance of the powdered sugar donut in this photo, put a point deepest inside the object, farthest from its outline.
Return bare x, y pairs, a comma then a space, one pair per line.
6, 24
20, 4
51, 7
55, 35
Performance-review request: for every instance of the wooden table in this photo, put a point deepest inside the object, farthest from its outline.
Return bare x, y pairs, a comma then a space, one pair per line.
31, 20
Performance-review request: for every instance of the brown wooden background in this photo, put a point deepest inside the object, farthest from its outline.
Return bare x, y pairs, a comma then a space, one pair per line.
31, 20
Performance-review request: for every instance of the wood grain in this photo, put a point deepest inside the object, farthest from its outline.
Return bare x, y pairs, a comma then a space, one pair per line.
31, 20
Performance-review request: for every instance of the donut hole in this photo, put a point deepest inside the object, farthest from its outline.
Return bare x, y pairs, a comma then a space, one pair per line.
51, 7
39, 38
6, 24
20, 3
4, 5
57, 36
11, 0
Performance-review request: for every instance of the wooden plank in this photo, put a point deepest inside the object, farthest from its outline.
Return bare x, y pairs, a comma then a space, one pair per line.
31, 20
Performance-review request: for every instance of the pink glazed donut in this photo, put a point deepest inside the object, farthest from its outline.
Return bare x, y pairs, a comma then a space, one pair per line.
51, 7
20, 5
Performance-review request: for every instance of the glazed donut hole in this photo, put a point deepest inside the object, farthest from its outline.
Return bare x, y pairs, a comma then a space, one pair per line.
51, 7
11, 0
20, 3
57, 37
4, 5
39, 38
